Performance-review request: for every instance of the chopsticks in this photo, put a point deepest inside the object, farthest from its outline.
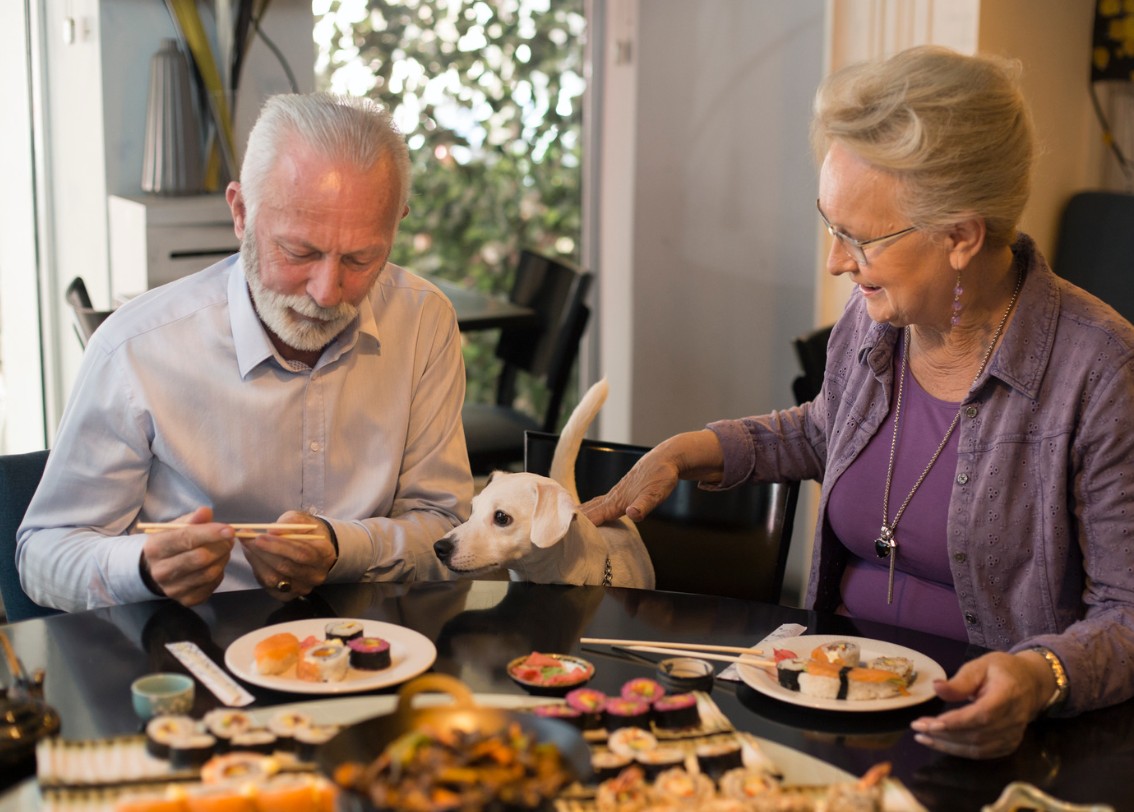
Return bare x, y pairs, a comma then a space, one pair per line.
245, 530
746, 656
15, 667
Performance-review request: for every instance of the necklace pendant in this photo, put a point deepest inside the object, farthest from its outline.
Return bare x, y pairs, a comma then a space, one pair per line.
884, 544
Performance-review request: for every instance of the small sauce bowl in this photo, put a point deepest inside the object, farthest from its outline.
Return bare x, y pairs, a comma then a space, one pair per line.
686, 674
162, 694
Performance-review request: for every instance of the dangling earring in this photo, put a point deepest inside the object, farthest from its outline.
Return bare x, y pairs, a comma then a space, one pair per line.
957, 291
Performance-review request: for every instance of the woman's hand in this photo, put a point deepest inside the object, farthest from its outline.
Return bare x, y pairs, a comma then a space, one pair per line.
1005, 693
691, 455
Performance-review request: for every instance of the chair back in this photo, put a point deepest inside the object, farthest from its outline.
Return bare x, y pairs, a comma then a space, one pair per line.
811, 351
732, 543
1095, 248
546, 350
86, 318
19, 477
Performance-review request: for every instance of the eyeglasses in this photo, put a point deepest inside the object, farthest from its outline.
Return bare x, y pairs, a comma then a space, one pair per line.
855, 247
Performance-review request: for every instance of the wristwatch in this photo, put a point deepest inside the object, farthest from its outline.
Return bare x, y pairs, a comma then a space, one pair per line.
1062, 686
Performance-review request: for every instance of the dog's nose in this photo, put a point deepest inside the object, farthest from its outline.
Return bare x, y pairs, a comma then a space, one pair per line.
443, 548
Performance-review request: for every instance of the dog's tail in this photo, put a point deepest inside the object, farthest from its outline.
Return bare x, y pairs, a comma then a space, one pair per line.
567, 449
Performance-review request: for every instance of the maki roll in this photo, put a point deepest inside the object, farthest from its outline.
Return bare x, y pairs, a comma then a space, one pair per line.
631, 741
369, 653
284, 725
224, 723
679, 786
589, 702
608, 765
642, 689
192, 751
310, 738
618, 712
571, 716
743, 784
661, 759
715, 758
238, 766
838, 652
676, 711
626, 792
162, 732
902, 666
257, 740
343, 630
328, 662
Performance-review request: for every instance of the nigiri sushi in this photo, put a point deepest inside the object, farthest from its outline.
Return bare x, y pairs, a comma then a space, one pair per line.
276, 653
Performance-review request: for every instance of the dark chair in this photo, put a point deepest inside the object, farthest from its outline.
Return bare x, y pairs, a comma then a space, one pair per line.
19, 477
545, 351
1095, 247
732, 543
811, 350
86, 317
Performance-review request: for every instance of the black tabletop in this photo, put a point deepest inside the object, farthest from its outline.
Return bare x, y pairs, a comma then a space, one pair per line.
90, 658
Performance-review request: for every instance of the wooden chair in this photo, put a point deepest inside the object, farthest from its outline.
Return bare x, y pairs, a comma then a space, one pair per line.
545, 351
1095, 247
732, 543
811, 351
86, 317
19, 477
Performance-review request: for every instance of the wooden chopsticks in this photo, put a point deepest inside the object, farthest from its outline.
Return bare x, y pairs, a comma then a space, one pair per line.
245, 530
725, 654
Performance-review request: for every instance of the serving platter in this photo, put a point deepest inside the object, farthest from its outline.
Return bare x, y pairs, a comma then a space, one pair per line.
411, 653
926, 669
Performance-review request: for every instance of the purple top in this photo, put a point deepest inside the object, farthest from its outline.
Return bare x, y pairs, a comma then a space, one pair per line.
924, 597
1038, 527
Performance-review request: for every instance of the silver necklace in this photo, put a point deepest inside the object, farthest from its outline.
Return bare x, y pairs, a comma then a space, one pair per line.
886, 545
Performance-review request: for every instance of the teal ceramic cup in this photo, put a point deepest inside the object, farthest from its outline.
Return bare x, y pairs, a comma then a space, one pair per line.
162, 694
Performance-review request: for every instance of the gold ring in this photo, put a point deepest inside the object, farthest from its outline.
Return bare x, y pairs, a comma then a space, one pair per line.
283, 586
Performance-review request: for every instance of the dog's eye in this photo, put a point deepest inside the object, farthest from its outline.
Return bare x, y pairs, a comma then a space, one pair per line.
502, 519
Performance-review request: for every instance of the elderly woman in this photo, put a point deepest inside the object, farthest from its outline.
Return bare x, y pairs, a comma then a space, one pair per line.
973, 436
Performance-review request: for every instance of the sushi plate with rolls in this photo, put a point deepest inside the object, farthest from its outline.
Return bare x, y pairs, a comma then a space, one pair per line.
330, 655
840, 673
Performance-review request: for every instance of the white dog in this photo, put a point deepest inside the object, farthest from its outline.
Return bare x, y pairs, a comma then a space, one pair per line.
532, 525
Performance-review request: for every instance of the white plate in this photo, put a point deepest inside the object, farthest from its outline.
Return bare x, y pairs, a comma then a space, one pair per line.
921, 691
411, 653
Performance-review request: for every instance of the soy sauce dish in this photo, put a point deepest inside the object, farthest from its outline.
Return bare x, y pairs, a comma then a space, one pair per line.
550, 674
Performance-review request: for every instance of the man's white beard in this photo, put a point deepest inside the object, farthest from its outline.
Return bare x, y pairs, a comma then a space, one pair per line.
275, 308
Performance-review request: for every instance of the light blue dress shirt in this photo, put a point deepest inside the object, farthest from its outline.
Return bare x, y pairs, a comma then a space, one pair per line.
182, 401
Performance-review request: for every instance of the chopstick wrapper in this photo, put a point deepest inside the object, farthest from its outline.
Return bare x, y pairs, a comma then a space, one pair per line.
782, 633
211, 675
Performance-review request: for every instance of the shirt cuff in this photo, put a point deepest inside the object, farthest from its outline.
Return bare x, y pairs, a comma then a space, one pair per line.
353, 550
739, 454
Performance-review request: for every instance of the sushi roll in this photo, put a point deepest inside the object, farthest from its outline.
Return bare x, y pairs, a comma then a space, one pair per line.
369, 653
224, 723
660, 759
902, 666
238, 767
328, 662
618, 712
838, 652
679, 786
607, 764
829, 681
276, 654
284, 725
631, 741
257, 740
571, 716
589, 702
309, 739
163, 731
642, 689
626, 792
192, 751
343, 630
743, 784
715, 758
674, 711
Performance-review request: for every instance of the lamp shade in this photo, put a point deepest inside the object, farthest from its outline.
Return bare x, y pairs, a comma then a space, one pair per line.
172, 163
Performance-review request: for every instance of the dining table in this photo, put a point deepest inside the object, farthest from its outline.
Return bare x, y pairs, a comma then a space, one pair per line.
477, 310
89, 659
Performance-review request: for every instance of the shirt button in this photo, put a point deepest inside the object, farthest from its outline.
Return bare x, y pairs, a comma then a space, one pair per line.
962, 479
959, 557
971, 411
970, 618
314, 446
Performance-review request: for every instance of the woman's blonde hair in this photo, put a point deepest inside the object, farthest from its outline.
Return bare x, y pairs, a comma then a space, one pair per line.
954, 130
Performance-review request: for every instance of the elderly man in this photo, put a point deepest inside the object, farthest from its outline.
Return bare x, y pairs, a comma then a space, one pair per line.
305, 380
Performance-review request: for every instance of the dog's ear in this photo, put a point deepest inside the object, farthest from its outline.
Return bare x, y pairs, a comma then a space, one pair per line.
552, 514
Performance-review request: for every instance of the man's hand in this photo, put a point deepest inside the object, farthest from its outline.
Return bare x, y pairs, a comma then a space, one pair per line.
300, 565
1005, 693
187, 564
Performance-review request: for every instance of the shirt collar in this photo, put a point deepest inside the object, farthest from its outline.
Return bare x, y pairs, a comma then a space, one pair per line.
254, 346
